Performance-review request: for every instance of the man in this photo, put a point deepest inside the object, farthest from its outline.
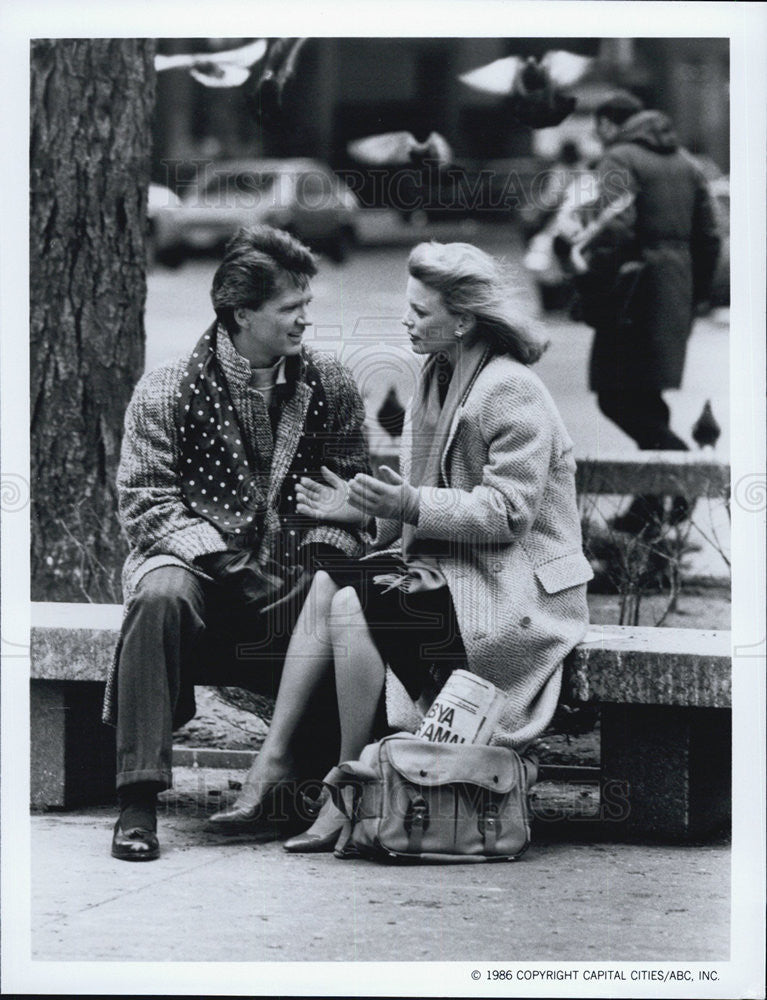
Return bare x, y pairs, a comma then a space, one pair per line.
214, 444
648, 268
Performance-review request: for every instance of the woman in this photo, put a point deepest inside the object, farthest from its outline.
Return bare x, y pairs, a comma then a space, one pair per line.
477, 555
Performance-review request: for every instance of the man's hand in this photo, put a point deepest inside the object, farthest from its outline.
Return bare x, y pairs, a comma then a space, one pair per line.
297, 594
312, 557
329, 502
388, 497
240, 574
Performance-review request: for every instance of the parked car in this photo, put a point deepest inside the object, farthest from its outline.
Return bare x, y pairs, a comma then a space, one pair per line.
159, 197
300, 195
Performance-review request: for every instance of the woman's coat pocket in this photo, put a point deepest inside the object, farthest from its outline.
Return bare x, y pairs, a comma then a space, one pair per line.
565, 571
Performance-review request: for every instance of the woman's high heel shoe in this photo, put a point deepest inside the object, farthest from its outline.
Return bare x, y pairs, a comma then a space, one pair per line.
247, 811
322, 835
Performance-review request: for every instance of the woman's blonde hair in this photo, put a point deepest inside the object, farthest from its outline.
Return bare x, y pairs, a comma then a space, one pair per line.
471, 281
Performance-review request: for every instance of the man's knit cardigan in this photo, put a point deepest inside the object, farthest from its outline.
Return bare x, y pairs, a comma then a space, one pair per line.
161, 529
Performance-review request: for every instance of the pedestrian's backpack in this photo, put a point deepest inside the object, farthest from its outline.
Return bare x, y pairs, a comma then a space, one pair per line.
408, 799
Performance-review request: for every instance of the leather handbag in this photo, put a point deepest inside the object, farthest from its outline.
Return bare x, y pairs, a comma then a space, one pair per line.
406, 799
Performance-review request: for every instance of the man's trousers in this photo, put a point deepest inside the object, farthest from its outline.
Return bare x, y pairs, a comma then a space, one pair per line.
181, 630
643, 415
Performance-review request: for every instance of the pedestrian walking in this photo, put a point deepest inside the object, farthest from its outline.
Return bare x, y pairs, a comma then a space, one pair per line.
648, 268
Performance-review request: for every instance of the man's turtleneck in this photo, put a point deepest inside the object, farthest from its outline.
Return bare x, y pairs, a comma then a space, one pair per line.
265, 379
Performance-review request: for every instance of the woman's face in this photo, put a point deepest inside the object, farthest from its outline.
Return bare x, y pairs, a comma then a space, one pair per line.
430, 326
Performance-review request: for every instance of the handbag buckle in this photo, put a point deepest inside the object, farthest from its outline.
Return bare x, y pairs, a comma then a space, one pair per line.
417, 815
489, 824
416, 822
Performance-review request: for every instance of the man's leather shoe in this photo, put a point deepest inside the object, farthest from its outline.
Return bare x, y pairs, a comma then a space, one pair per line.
136, 844
644, 517
312, 843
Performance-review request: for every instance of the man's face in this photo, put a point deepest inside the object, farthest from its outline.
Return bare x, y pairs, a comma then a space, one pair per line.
276, 330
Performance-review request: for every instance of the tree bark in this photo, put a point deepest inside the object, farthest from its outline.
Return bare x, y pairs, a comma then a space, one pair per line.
91, 105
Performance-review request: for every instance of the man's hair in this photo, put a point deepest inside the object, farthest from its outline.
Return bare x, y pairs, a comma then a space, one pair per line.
255, 260
619, 108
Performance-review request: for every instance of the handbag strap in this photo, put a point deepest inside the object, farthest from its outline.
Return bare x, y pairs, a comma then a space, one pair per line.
416, 823
345, 783
345, 798
489, 823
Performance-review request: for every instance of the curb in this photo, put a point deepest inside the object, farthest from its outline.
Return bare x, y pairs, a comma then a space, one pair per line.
211, 757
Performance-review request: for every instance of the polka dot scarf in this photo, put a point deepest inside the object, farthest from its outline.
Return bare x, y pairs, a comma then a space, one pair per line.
224, 480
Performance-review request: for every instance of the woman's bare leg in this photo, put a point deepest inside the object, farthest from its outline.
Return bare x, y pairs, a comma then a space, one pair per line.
360, 674
307, 659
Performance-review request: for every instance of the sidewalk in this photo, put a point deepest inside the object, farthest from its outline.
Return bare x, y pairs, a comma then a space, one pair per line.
207, 899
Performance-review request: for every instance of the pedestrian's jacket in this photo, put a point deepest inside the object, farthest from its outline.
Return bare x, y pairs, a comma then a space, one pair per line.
161, 529
515, 569
671, 231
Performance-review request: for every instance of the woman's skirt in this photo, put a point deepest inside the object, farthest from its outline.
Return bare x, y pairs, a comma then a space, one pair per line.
417, 634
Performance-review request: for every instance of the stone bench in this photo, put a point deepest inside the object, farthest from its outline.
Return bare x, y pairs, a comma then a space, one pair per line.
662, 472
664, 697
666, 726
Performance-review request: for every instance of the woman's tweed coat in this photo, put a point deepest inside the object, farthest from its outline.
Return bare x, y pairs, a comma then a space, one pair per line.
161, 529
516, 570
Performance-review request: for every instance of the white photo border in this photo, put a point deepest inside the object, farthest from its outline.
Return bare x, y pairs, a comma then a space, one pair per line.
746, 26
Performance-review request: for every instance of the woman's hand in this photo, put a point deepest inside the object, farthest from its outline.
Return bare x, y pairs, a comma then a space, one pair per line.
388, 497
328, 502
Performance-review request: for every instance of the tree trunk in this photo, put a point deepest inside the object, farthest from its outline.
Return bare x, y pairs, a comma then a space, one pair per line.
91, 104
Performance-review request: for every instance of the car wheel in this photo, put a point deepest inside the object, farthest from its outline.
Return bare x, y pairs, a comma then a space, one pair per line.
151, 245
340, 246
171, 257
